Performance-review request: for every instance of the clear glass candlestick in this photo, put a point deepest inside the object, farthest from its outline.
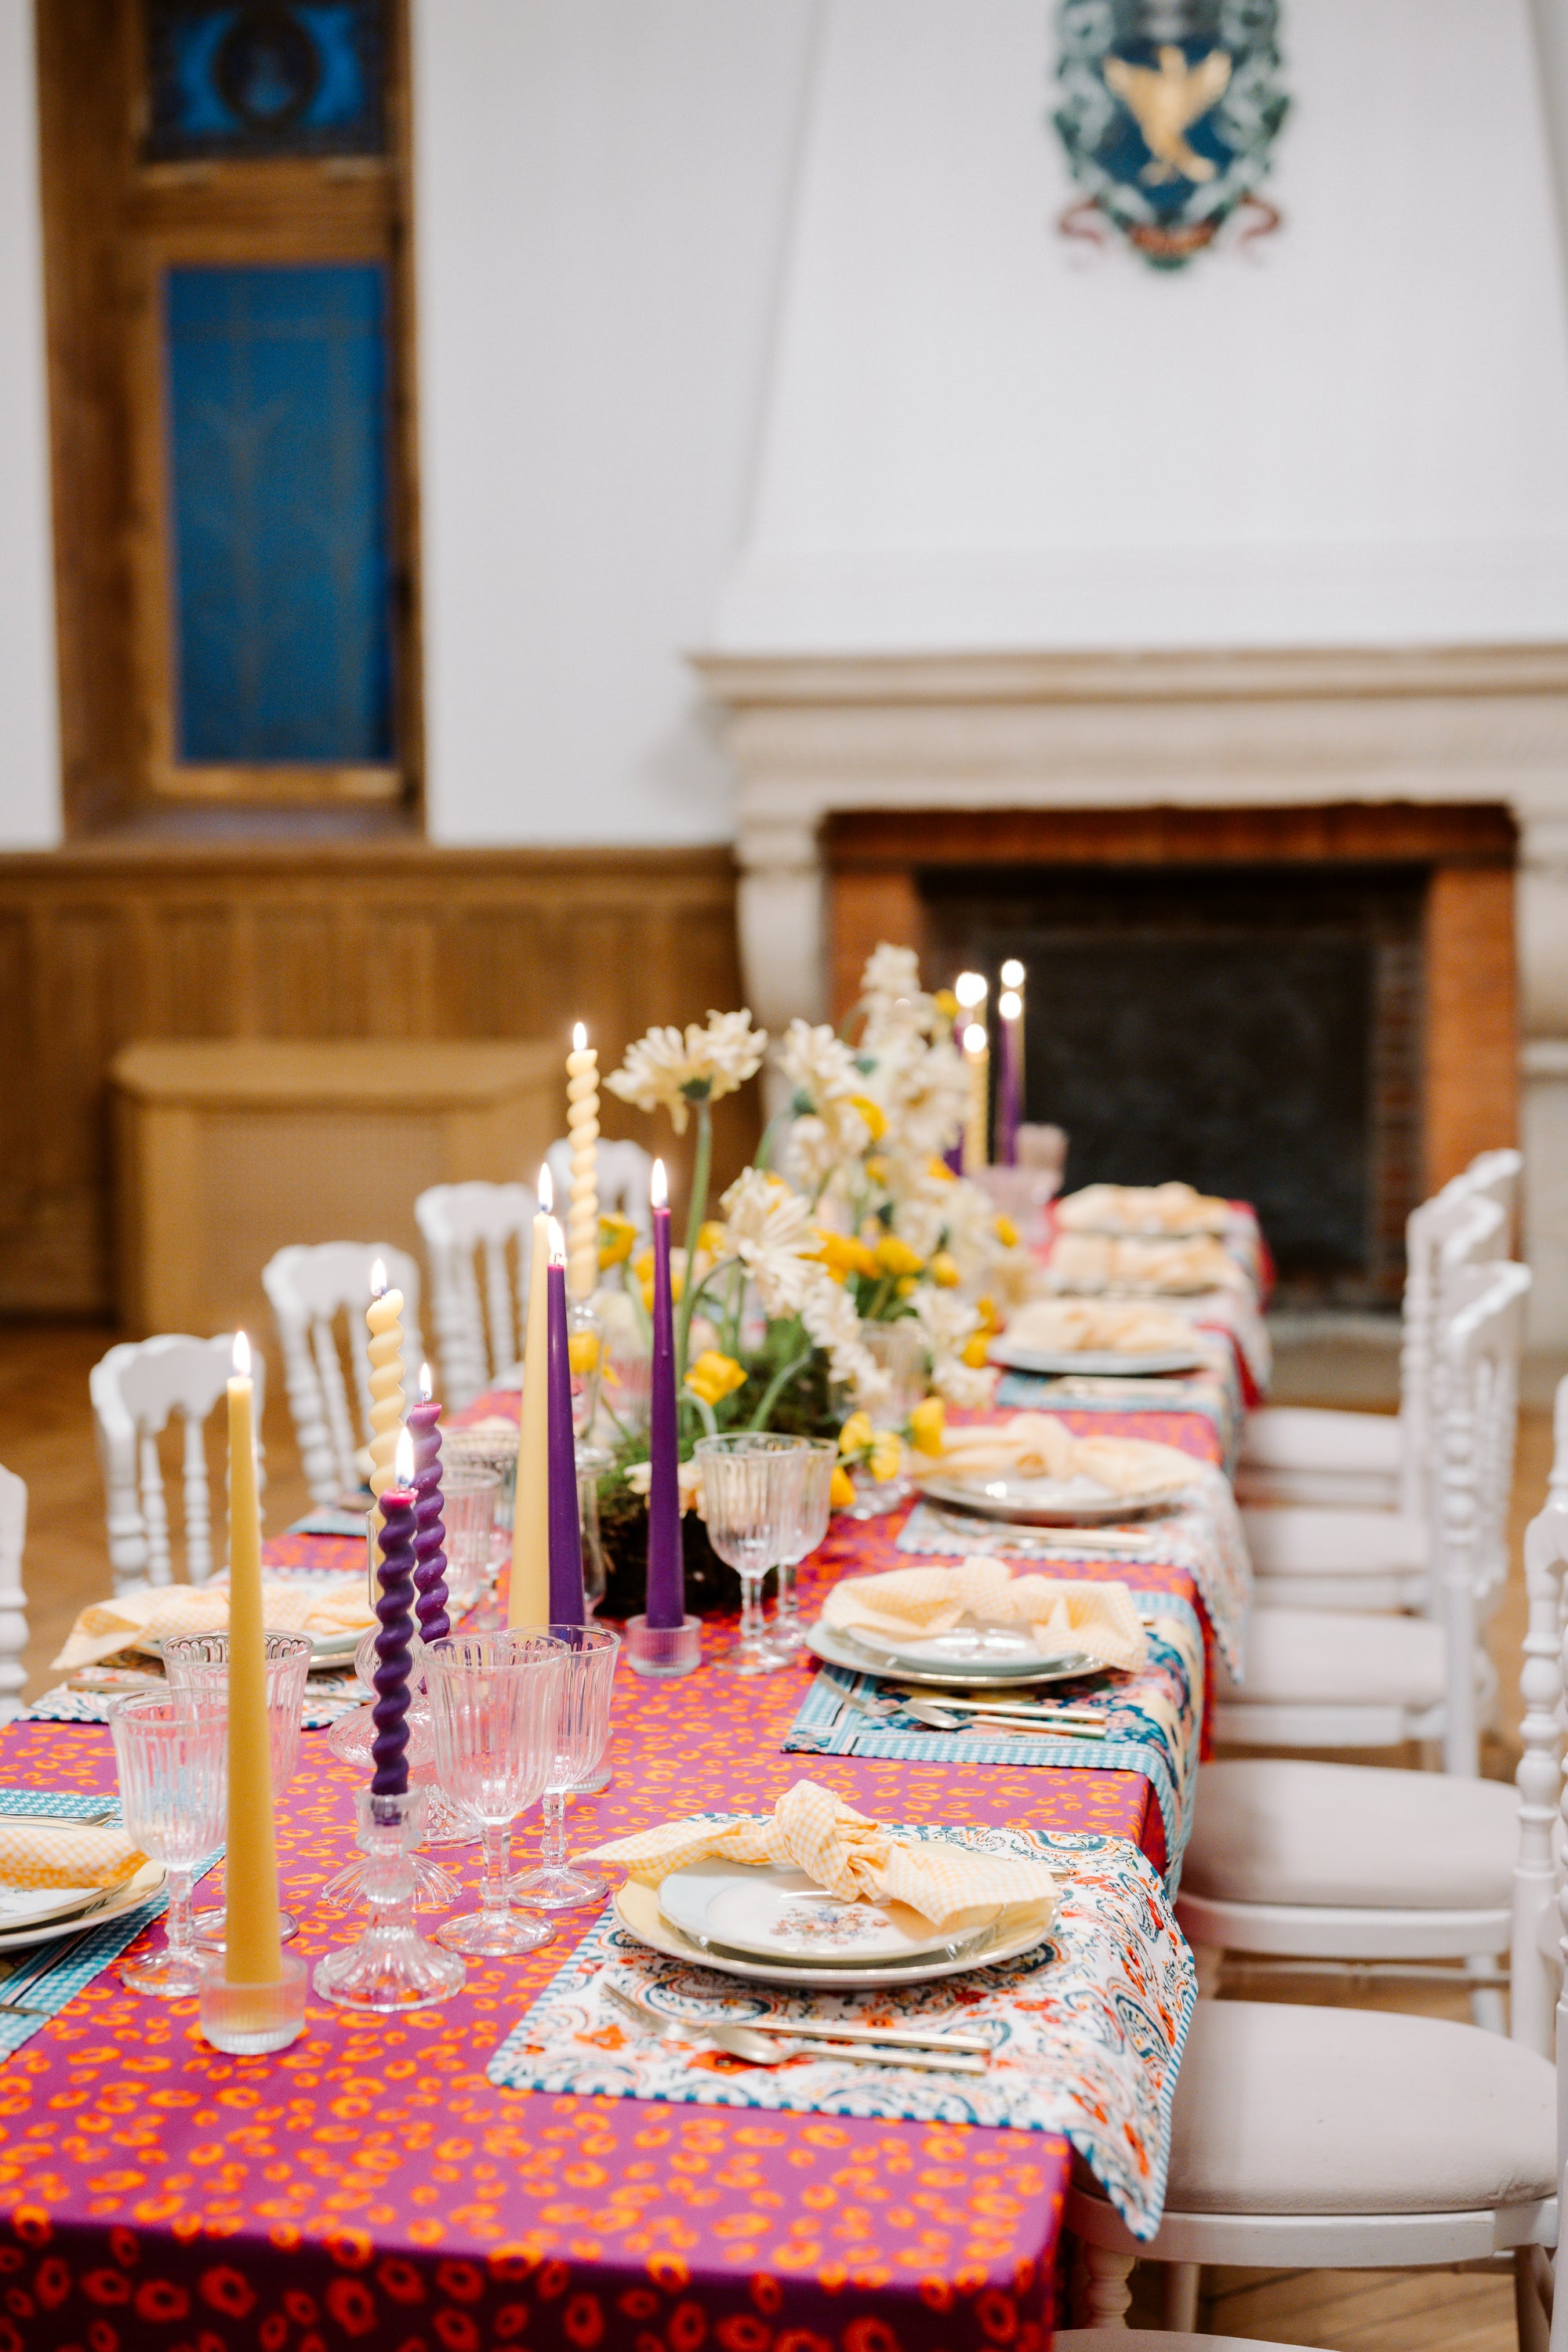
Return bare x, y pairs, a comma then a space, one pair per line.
749, 1482
392, 1966
171, 1755
494, 1700
813, 1499
581, 1727
199, 1663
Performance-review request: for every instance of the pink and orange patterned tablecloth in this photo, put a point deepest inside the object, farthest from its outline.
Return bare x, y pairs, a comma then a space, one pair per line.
370, 2189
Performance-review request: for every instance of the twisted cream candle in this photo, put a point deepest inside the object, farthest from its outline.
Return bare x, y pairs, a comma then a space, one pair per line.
582, 1127
384, 1320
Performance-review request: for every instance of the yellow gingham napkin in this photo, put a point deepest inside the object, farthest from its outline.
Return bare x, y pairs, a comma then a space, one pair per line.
906, 1604
1141, 1209
1099, 1262
64, 1853
158, 1612
1128, 1325
852, 1856
1039, 1444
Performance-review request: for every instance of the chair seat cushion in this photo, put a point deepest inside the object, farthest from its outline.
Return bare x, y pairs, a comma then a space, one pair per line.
1272, 1830
1143, 2339
1332, 1657
1281, 2109
1297, 1539
1301, 1437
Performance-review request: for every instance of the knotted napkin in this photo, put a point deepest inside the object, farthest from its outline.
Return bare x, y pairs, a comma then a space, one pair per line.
852, 1856
1141, 1209
64, 1853
1041, 1445
1068, 1324
1099, 1262
908, 1605
157, 1613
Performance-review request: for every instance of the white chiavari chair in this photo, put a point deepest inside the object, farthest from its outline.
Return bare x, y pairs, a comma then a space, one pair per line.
13, 1599
1328, 1679
478, 1331
309, 1288
1343, 2139
135, 1388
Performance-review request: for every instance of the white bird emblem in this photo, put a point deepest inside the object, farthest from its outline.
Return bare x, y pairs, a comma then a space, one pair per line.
1166, 103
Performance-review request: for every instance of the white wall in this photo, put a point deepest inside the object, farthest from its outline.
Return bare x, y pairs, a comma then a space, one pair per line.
29, 731
982, 436
601, 196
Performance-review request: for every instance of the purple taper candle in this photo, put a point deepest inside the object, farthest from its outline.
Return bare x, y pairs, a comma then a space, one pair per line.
389, 1748
568, 1605
665, 1602
1010, 1089
429, 1529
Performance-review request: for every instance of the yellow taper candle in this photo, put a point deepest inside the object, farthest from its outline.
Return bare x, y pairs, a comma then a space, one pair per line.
583, 1127
529, 1599
252, 1953
977, 1056
388, 1406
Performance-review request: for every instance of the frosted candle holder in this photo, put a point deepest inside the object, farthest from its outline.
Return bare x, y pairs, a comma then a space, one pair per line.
662, 1651
247, 2020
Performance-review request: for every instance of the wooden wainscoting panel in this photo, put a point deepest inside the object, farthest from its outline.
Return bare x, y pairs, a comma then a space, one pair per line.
102, 943
867, 905
1472, 1017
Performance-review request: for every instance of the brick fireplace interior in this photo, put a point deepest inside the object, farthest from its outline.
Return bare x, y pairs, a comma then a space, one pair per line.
1310, 1008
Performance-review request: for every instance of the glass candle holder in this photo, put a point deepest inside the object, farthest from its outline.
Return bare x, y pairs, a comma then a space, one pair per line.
247, 2020
391, 1966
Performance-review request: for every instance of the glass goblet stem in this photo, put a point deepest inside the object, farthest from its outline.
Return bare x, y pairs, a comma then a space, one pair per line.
179, 1924
493, 1903
552, 1841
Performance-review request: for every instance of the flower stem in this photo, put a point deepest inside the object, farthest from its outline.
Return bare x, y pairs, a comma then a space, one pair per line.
695, 1218
776, 1386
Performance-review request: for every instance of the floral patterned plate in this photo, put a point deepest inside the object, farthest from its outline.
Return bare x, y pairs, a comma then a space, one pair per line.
638, 1915
773, 1911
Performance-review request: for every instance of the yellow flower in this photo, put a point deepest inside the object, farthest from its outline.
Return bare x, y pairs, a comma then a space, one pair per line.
1007, 1233
943, 1271
946, 1003
877, 1169
642, 1266
907, 1285
874, 1117
886, 1456
841, 1492
617, 1236
990, 1320
855, 1434
715, 1376
940, 1173
583, 1350
975, 1352
928, 1425
895, 1256
844, 1254
712, 1239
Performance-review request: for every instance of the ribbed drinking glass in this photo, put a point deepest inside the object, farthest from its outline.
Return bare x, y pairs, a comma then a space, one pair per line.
199, 1663
813, 1499
750, 1479
588, 1655
494, 1698
170, 1750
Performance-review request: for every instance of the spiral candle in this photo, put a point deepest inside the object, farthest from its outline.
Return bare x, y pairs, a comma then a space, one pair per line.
384, 1321
582, 1127
389, 1748
429, 1533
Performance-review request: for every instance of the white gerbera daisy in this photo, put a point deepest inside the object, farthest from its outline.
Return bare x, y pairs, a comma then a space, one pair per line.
769, 1229
668, 1070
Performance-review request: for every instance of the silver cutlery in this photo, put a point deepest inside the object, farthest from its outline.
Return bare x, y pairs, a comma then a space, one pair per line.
928, 1711
900, 2036
1033, 1710
1030, 1542
936, 2054
66, 1821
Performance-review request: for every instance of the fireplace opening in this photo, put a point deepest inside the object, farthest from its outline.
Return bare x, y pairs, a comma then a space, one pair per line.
1254, 1029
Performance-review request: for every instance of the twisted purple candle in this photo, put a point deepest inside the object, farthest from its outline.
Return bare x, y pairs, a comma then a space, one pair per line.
429, 1530
389, 1748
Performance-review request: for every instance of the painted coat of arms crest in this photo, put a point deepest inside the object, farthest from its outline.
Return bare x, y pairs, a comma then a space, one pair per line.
1168, 111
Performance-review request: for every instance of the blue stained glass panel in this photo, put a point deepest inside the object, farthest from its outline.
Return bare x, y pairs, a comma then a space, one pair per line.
286, 78
277, 439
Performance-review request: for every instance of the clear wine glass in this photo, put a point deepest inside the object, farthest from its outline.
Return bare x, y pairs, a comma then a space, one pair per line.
470, 1492
494, 1698
582, 1725
199, 1663
171, 1750
815, 1497
749, 1482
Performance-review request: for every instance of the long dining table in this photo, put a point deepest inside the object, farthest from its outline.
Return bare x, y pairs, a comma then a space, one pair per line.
370, 2187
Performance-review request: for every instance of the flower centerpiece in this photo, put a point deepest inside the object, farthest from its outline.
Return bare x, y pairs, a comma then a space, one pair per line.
846, 1285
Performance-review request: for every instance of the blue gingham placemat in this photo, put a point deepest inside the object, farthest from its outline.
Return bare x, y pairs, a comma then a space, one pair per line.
326, 1698
1154, 1722
90, 1950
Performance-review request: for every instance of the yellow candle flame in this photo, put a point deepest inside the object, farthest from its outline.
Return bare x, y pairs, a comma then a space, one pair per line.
1012, 974
579, 1037
659, 1187
426, 1385
377, 1277
546, 1192
403, 1459
241, 1356
974, 1038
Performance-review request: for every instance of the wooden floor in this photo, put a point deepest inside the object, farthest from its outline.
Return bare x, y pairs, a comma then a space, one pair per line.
46, 1435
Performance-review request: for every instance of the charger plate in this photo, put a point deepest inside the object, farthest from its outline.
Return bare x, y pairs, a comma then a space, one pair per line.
1106, 1363
147, 1882
638, 1912
1048, 1502
836, 1649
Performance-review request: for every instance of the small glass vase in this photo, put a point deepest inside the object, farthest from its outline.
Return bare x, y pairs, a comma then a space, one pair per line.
391, 1966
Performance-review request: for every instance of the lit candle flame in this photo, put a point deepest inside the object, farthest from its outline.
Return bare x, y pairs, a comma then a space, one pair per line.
659, 1187
377, 1277
426, 1385
557, 1240
1012, 974
1010, 1004
969, 989
579, 1037
546, 1192
241, 1356
974, 1038
403, 1459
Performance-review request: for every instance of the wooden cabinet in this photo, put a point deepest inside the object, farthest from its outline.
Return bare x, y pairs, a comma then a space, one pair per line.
226, 1152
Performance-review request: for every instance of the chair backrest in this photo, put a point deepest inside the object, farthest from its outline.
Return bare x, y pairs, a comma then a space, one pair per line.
624, 1172
1460, 1225
13, 1599
308, 1287
134, 1389
461, 1223
1538, 1879
1483, 1338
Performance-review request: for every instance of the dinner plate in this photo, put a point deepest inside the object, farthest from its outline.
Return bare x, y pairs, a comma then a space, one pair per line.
637, 1911
838, 1649
29, 1907
1002, 1652
771, 1911
1048, 1502
147, 1882
1108, 1363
